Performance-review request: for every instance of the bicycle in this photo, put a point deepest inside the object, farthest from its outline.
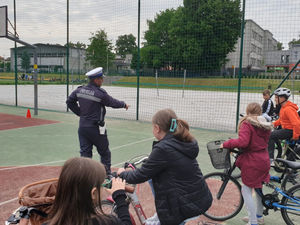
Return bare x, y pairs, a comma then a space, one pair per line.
290, 151
228, 200
108, 205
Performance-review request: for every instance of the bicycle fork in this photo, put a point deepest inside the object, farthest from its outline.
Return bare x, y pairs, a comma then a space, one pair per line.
138, 208
225, 182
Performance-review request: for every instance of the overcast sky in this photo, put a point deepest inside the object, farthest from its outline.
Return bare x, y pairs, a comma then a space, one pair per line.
44, 21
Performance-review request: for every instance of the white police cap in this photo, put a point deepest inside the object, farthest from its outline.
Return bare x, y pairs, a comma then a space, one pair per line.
97, 72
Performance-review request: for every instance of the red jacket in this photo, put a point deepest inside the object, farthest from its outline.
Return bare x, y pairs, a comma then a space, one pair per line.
254, 162
289, 119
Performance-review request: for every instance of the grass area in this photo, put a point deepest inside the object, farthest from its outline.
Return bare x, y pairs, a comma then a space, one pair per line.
226, 84
211, 84
43, 78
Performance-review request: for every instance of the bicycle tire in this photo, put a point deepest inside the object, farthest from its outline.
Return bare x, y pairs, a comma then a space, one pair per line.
291, 217
226, 207
290, 180
109, 208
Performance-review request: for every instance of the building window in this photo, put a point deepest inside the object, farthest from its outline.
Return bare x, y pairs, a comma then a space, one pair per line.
259, 62
253, 48
259, 50
254, 35
260, 38
253, 61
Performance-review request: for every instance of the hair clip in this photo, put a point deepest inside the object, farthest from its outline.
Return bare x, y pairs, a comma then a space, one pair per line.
173, 125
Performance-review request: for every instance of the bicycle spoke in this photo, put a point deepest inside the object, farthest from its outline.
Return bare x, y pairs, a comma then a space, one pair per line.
227, 199
292, 216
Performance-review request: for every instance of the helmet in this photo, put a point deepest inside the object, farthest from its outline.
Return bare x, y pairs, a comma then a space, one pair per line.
283, 92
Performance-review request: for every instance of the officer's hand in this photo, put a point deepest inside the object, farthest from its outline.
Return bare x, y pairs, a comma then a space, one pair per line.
126, 106
117, 184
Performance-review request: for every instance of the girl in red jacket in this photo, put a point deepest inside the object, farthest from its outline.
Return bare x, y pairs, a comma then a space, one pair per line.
254, 163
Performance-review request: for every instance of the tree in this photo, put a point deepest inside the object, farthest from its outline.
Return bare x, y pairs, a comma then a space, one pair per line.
25, 61
125, 44
279, 46
294, 41
196, 36
99, 51
76, 45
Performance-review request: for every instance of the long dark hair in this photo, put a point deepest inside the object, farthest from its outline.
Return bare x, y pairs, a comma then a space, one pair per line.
73, 203
163, 119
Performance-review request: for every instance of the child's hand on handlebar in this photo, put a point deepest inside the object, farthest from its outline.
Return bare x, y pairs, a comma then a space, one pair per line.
117, 184
221, 146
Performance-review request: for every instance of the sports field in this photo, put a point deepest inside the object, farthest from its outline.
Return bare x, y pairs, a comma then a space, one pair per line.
34, 153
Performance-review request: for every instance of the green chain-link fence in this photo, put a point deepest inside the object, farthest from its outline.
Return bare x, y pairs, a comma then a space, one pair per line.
184, 55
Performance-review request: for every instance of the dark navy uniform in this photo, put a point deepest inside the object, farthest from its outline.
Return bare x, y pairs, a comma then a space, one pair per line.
91, 110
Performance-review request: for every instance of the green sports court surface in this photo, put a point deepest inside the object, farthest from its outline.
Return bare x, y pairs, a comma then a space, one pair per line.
50, 144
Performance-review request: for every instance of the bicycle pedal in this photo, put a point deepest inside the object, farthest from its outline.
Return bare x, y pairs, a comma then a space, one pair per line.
266, 212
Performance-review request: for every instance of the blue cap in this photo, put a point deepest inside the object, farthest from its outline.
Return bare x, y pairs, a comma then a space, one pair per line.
97, 72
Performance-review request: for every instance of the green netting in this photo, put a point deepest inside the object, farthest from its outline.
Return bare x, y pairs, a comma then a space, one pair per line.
189, 59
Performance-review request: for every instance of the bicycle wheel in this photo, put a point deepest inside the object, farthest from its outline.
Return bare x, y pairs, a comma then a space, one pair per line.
108, 207
290, 180
290, 216
230, 201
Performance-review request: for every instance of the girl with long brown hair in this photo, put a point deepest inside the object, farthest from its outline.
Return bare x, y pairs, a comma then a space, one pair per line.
77, 200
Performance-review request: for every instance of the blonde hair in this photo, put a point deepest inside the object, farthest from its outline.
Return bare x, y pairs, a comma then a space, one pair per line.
163, 118
253, 109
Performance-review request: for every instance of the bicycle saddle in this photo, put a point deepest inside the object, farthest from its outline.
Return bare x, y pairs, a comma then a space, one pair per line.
291, 164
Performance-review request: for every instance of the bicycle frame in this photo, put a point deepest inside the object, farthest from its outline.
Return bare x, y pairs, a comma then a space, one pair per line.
134, 201
281, 192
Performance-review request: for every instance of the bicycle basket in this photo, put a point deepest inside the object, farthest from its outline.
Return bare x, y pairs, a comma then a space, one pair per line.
39, 195
220, 157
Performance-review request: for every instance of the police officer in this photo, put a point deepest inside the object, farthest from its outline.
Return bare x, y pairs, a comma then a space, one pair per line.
92, 100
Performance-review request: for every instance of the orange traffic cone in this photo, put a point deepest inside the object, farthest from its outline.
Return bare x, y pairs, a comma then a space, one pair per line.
28, 115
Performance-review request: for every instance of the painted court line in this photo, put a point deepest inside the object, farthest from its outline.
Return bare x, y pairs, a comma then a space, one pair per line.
8, 201
59, 161
15, 199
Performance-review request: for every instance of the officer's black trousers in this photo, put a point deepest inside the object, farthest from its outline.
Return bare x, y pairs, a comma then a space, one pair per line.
89, 136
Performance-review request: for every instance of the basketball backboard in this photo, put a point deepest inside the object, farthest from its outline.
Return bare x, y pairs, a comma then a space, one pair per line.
3, 21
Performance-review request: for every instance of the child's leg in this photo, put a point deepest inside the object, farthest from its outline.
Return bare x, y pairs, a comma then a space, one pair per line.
259, 205
249, 202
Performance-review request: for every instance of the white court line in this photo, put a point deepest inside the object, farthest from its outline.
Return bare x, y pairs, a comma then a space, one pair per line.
59, 161
17, 167
15, 199
8, 201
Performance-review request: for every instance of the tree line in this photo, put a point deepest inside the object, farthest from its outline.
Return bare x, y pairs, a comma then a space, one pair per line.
196, 36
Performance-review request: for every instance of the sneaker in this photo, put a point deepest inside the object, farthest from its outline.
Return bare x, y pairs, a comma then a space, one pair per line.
153, 220
259, 220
